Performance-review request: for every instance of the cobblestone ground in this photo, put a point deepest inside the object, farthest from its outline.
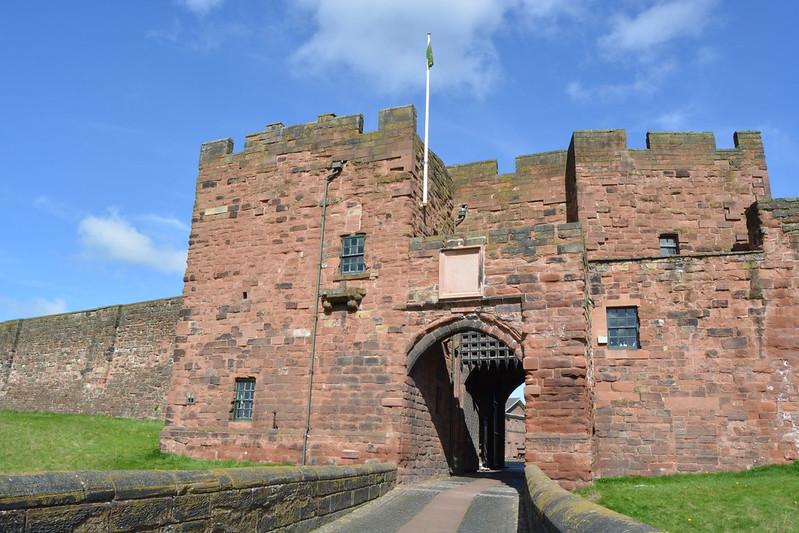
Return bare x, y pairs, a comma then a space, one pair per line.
483, 502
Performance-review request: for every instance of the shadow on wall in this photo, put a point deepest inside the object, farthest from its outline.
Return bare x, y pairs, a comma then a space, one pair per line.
457, 414
440, 425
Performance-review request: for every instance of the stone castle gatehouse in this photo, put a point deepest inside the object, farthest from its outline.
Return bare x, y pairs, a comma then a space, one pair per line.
646, 298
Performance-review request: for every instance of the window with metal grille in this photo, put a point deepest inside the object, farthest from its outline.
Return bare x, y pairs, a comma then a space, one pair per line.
669, 245
242, 405
352, 253
623, 328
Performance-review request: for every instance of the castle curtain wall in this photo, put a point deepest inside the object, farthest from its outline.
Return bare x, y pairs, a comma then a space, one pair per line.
112, 361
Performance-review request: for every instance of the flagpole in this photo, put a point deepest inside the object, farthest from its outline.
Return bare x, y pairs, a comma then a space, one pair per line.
426, 126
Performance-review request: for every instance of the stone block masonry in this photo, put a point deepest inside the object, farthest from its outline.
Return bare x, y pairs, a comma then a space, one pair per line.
683, 235
235, 500
552, 509
111, 361
681, 184
693, 397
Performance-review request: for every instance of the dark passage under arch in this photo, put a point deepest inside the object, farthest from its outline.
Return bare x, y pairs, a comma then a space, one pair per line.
459, 385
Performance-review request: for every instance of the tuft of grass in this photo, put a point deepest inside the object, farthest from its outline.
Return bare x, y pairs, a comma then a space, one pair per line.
764, 499
40, 442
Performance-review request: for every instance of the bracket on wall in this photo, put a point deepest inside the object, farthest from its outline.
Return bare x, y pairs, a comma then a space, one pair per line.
350, 296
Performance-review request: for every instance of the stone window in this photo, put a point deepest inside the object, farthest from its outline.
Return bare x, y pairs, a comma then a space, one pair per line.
460, 272
242, 405
352, 254
623, 328
669, 244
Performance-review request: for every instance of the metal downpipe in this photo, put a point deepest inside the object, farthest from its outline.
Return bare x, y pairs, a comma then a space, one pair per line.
336, 169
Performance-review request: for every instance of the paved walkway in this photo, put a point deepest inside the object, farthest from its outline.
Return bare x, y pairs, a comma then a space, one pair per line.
464, 504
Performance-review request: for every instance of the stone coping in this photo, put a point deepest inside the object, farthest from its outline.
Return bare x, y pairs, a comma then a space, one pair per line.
129, 305
554, 509
71, 488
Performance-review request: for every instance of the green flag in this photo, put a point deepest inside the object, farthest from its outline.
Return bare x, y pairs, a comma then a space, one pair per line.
429, 52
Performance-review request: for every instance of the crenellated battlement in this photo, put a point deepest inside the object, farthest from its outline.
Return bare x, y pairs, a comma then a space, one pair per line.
534, 190
327, 130
527, 166
668, 142
681, 183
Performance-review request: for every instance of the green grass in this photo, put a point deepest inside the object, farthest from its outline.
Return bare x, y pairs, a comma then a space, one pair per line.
764, 499
38, 442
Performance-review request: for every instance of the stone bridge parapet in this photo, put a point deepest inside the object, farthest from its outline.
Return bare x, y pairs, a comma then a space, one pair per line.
230, 499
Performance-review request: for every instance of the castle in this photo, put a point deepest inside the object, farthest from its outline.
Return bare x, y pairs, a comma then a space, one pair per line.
648, 300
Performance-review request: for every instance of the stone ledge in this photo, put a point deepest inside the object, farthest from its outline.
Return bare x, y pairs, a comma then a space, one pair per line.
672, 258
72, 488
552, 509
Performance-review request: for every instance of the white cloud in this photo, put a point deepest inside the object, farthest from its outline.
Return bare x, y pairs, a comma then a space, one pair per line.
672, 120
552, 8
645, 43
646, 82
656, 26
114, 238
35, 307
165, 221
201, 7
384, 41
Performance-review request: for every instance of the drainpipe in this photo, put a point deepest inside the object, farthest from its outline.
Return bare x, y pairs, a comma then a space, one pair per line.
335, 170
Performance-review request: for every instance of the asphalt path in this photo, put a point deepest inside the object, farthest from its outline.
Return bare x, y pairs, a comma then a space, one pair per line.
475, 503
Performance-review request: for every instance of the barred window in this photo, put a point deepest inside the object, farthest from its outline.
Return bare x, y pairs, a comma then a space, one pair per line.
623, 328
352, 254
669, 244
242, 405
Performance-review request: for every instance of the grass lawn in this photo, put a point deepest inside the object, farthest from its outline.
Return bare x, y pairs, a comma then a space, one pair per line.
763, 499
37, 442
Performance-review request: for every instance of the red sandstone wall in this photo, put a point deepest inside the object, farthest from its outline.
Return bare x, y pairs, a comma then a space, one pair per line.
436, 428
709, 389
8, 337
681, 183
534, 194
113, 361
515, 432
534, 284
779, 281
256, 229
699, 394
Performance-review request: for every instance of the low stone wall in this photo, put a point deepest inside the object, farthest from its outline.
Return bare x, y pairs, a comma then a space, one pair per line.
232, 499
552, 509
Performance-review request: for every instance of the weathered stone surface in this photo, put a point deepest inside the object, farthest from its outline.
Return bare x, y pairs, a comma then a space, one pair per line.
12, 521
191, 507
294, 498
113, 361
82, 518
40, 490
554, 510
133, 515
137, 484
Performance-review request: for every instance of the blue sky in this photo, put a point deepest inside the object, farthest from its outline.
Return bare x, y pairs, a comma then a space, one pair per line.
104, 104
